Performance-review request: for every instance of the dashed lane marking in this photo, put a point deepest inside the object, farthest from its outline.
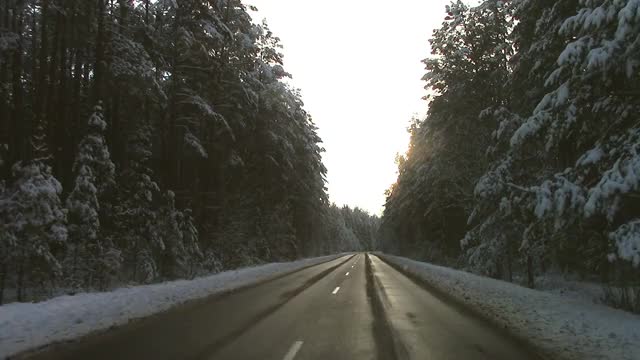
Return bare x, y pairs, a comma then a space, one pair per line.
293, 350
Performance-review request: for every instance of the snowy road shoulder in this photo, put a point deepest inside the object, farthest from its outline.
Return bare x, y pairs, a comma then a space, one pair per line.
560, 327
25, 326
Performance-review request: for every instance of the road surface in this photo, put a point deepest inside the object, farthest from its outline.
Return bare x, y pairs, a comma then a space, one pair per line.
354, 307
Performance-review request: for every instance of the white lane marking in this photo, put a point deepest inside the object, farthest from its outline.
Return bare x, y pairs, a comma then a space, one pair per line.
336, 290
347, 274
293, 350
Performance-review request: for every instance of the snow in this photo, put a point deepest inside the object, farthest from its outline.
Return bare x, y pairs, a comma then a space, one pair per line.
568, 286
492, 182
211, 30
591, 157
571, 53
627, 241
554, 77
25, 326
543, 200
595, 19
568, 196
33, 207
559, 326
194, 143
562, 94
626, 18
598, 57
622, 178
533, 124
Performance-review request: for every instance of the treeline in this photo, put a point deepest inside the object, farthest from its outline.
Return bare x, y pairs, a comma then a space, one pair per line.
148, 140
529, 157
352, 229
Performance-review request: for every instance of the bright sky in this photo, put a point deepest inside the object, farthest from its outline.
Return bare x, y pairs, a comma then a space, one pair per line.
358, 65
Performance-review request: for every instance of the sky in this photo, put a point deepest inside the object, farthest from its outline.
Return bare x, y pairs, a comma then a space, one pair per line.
358, 65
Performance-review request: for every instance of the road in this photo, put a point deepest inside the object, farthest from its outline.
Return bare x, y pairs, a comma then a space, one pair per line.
354, 307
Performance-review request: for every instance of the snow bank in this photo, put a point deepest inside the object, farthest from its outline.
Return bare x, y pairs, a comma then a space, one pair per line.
561, 327
567, 286
25, 326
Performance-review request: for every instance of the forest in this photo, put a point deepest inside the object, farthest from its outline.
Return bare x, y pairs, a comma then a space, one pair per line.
142, 141
528, 160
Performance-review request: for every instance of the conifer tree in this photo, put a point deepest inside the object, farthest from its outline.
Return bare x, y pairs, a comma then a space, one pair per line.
94, 170
136, 212
34, 223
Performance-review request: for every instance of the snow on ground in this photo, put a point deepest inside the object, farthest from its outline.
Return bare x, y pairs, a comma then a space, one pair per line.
25, 326
569, 286
560, 326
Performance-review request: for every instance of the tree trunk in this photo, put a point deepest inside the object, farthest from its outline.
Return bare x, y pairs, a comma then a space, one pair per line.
530, 277
100, 54
66, 146
171, 150
20, 282
52, 96
41, 71
77, 79
23, 126
5, 125
3, 278
509, 264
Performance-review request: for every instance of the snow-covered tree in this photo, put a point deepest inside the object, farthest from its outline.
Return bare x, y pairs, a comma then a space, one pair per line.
83, 246
94, 153
34, 226
427, 209
221, 128
587, 120
190, 240
563, 179
86, 250
168, 228
136, 213
178, 232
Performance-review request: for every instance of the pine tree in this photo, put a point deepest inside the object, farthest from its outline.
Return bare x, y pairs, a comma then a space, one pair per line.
34, 223
193, 92
94, 153
560, 189
427, 211
495, 244
86, 251
83, 248
136, 213
190, 239
180, 237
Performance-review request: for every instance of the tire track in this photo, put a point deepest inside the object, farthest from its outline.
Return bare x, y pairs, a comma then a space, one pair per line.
389, 346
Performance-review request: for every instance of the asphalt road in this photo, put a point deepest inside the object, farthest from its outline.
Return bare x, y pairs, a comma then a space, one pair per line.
348, 308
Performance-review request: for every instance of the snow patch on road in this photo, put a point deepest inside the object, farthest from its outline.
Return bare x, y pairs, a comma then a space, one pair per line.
560, 326
25, 326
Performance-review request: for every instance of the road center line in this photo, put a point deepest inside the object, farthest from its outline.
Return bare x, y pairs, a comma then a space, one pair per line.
336, 290
293, 350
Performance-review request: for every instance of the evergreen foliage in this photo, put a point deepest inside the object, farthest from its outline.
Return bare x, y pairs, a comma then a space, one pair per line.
34, 227
198, 157
533, 118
